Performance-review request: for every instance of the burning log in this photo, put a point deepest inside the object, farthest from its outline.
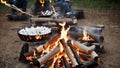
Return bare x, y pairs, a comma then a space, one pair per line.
98, 38
73, 60
89, 63
56, 65
41, 47
94, 55
77, 35
74, 52
84, 56
84, 47
65, 63
47, 64
47, 56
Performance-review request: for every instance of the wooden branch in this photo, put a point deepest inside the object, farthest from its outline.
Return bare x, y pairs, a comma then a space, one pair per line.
74, 52
73, 60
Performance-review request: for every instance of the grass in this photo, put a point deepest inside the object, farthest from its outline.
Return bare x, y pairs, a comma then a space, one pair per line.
100, 4
30, 3
3, 7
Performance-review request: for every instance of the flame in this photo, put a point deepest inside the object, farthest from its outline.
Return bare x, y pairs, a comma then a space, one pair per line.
42, 2
5, 3
86, 37
61, 53
31, 57
63, 31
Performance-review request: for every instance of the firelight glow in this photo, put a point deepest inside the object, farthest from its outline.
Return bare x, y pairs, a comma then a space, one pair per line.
42, 2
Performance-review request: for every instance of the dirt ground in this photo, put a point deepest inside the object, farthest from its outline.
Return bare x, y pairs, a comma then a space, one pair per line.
10, 44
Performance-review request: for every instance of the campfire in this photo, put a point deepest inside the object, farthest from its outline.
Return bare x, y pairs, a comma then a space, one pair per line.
62, 51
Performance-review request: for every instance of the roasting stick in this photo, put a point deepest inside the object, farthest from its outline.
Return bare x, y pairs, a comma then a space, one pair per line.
53, 8
54, 11
73, 60
16, 8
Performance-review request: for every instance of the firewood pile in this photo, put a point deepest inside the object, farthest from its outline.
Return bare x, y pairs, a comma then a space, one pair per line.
72, 47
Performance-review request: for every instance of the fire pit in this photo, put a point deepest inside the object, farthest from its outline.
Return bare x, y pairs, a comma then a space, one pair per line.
63, 51
34, 34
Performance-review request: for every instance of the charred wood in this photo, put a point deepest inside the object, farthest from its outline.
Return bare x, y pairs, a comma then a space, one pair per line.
66, 64
24, 50
47, 64
74, 52
90, 64
84, 56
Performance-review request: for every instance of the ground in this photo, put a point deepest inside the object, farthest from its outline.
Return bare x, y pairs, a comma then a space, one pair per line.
10, 44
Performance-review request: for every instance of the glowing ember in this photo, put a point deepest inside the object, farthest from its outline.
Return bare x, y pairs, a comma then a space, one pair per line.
32, 57
38, 37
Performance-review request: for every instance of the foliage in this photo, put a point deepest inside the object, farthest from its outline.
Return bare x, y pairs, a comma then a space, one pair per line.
107, 4
101, 4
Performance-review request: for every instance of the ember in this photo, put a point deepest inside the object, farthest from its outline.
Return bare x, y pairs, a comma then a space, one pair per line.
63, 51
